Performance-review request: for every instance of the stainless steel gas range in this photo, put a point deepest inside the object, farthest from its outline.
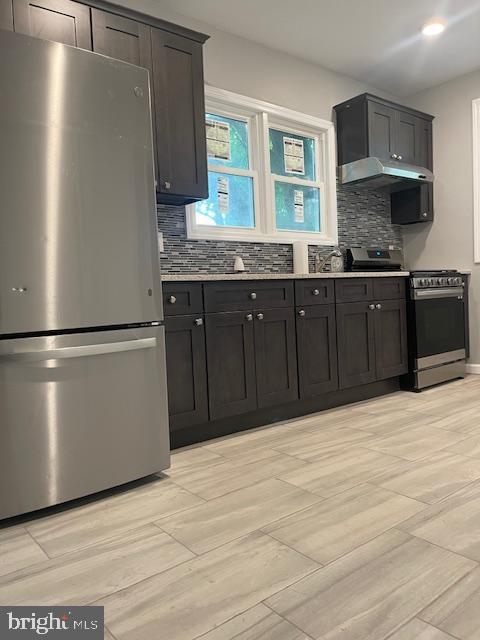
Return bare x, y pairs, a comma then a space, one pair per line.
436, 328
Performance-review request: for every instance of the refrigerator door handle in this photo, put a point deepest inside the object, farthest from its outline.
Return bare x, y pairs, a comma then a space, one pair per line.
81, 351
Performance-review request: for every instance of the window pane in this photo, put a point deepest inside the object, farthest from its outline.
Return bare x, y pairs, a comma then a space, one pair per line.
292, 155
230, 203
297, 208
227, 141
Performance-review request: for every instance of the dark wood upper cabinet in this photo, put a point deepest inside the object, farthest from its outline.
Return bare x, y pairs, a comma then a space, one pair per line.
231, 364
275, 357
406, 145
425, 144
180, 118
370, 126
62, 21
121, 38
412, 205
317, 350
6, 15
391, 338
186, 371
381, 130
356, 344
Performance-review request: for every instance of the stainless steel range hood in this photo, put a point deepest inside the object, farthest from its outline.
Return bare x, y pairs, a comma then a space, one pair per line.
376, 173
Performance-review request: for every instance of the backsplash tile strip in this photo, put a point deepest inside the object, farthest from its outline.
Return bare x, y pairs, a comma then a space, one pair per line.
363, 220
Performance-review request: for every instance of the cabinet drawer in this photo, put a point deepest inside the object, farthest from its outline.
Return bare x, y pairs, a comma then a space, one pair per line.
182, 298
238, 296
320, 291
389, 288
353, 289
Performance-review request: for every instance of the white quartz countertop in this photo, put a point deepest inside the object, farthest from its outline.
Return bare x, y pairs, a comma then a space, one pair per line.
209, 277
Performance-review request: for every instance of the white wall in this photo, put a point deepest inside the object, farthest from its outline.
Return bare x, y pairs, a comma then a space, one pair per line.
448, 241
245, 67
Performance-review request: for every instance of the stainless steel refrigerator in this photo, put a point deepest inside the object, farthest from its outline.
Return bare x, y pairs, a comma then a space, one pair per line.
83, 401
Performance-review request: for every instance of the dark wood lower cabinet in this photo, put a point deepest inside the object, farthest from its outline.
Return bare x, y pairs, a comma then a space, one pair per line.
62, 21
391, 338
187, 371
317, 350
259, 365
231, 364
356, 344
275, 357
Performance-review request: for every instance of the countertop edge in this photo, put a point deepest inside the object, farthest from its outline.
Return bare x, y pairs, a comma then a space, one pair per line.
218, 277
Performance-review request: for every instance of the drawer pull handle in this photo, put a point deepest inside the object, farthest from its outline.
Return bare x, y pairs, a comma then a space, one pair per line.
301, 313
379, 306
199, 322
172, 299
253, 296
249, 317
316, 292
259, 316
371, 307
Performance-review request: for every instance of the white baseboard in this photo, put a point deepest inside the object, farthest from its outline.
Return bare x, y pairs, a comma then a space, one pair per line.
473, 368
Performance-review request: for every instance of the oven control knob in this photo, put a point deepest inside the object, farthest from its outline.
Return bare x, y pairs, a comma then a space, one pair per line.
451, 281
442, 281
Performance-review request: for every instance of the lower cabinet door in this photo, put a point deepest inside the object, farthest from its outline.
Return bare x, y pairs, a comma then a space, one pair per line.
391, 338
276, 357
231, 363
356, 343
186, 371
317, 350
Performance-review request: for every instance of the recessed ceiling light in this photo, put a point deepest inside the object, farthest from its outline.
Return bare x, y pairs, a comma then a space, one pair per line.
433, 28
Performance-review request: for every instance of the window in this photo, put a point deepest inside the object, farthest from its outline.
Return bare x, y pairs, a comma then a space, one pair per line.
271, 174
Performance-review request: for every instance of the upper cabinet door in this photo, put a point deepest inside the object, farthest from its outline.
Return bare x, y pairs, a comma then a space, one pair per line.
62, 21
425, 148
407, 137
121, 38
381, 130
180, 117
6, 15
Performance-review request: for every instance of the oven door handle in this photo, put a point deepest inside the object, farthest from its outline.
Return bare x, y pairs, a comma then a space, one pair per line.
429, 294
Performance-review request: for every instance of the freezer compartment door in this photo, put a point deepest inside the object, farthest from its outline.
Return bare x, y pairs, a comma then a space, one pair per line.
78, 241
79, 414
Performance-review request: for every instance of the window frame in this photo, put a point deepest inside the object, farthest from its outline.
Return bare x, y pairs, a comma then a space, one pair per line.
262, 116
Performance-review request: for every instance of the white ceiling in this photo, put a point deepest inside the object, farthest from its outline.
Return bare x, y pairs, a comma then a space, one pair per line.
376, 41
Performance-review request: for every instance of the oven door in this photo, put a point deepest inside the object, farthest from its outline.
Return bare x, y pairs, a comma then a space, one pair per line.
439, 326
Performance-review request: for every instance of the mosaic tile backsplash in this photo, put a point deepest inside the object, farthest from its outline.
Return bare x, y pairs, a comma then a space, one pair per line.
363, 220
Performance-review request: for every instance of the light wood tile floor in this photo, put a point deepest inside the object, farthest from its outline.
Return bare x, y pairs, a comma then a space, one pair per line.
359, 523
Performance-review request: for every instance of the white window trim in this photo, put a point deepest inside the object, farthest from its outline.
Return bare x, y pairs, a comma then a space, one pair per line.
476, 177
262, 115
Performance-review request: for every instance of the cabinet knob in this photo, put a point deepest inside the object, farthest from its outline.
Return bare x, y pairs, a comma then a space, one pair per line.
259, 316
378, 306
394, 156
424, 214
371, 307
316, 292
249, 317
301, 313
400, 158
253, 296
172, 299
167, 185
199, 322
